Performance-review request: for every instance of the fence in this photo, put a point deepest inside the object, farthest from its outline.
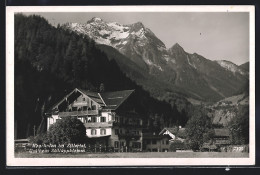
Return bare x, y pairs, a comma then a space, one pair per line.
74, 148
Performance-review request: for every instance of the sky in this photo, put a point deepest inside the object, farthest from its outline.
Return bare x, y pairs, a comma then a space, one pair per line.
214, 35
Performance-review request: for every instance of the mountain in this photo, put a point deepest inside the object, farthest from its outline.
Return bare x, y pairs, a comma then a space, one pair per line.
135, 41
50, 62
232, 67
151, 64
245, 66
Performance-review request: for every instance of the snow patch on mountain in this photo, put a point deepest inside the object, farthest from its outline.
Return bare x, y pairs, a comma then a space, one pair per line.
122, 37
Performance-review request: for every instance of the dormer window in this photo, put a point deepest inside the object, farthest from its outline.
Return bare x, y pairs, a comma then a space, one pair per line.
83, 99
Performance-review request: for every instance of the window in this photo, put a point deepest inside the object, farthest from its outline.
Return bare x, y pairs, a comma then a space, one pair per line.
93, 119
167, 142
116, 144
120, 131
93, 132
103, 119
103, 132
93, 107
85, 108
163, 142
122, 144
74, 108
154, 142
116, 131
83, 99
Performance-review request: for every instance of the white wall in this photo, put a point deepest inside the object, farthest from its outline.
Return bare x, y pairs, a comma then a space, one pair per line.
108, 116
51, 120
88, 132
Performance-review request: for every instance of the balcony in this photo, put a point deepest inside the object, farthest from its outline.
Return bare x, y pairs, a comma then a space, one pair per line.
98, 125
78, 113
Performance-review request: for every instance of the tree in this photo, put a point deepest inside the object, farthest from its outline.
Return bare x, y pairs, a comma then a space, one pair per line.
196, 129
239, 126
67, 130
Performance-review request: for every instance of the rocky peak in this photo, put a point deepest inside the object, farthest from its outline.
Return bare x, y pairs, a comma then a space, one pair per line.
137, 27
176, 49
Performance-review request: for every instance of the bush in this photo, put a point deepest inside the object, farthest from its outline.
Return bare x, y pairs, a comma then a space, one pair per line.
67, 130
38, 139
177, 144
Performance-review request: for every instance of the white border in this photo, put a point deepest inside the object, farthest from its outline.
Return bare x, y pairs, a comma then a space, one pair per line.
12, 161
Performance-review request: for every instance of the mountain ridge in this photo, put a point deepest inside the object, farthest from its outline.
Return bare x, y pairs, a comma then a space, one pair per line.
182, 72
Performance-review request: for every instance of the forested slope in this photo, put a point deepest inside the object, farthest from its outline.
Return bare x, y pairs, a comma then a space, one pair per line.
49, 62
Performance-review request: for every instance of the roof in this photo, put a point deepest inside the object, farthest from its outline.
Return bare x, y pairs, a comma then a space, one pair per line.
222, 132
108, 100
178, 132
171, 130
93, 95
113, 100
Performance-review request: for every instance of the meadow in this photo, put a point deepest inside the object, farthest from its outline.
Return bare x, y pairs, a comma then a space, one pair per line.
135, 155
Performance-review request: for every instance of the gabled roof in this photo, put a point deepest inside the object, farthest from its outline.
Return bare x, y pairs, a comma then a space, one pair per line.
180, 133
222, 132
108, 100
113, 100
93, 95
171, 130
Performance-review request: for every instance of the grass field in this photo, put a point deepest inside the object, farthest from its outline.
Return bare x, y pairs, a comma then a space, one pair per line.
135, 155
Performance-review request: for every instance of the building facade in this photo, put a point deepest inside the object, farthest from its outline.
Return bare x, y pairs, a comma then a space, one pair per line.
110, 118
156, 143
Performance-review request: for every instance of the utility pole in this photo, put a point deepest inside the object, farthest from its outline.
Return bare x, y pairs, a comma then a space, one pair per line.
34, 130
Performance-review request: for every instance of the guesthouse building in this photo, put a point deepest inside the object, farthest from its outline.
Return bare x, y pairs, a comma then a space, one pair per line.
110, 118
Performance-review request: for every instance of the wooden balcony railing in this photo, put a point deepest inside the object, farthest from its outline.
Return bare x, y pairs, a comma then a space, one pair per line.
78, 113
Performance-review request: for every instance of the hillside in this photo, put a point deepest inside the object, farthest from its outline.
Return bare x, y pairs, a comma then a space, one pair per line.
227, 109
245, 66
49, 62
